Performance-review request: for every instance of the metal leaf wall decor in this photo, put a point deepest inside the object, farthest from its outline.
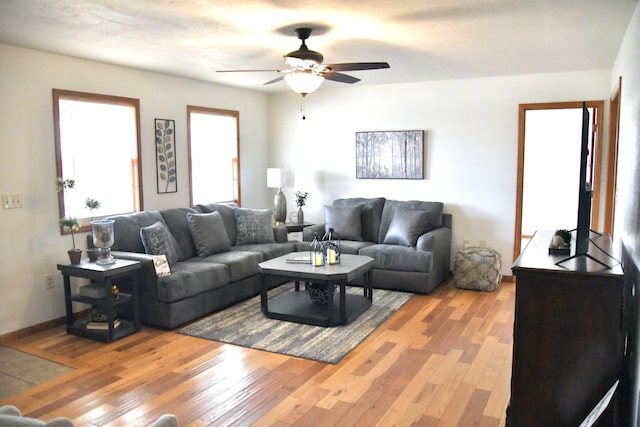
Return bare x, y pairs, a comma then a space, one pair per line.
166, 156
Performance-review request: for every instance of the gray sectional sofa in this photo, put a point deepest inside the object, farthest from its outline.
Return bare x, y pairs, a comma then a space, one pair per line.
409, 240
214, 250
199, 283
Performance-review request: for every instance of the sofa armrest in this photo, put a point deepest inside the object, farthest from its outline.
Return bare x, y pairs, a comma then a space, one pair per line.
437, 241
309, 231
280, 234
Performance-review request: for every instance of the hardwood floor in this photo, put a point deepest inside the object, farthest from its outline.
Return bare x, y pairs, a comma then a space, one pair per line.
442, 360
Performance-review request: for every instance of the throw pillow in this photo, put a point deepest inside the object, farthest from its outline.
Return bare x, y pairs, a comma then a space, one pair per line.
208, 232
406, 226
346, 221
157, 240
254, 226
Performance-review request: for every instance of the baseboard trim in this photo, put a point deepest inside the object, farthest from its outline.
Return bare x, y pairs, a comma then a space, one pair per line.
30, 330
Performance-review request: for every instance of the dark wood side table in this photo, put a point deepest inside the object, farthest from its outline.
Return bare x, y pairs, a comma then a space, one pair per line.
295, 227
105, 275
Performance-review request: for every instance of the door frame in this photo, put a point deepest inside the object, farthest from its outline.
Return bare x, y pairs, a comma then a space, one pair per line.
597, 165
612, 159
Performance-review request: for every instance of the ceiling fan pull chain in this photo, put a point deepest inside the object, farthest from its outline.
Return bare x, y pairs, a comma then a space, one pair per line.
304, 117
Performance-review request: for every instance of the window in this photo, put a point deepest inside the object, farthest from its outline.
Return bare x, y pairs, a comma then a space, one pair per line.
214, 167
97, 145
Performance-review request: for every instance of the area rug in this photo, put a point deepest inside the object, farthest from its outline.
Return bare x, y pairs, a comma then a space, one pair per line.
246, 326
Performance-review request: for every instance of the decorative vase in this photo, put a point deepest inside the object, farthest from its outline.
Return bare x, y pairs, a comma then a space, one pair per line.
92, 253
300, 215
75, 255
319, 293
103, 238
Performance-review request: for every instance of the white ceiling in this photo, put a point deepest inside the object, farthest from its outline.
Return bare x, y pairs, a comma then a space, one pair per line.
422, 40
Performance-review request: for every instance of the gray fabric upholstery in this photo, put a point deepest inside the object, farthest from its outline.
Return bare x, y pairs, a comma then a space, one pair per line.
418, 268
254, 226
10, 416
402, 258
240, 264
126, 230
268, 250
346, 221
190, 279
435, 210
176, 220
227, 211
157, 240
406, 226
371, 214
208, 232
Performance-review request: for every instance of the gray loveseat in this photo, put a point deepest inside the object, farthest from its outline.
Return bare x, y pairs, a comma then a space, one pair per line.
216, 269
409, 240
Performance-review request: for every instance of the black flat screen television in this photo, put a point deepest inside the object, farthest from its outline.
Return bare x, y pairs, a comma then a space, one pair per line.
585, 193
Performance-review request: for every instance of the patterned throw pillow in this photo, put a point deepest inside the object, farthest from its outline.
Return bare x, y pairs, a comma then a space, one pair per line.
254, 226
157, 240
208, 233
406, 226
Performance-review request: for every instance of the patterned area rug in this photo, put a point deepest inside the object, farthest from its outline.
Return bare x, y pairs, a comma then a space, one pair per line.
245, 325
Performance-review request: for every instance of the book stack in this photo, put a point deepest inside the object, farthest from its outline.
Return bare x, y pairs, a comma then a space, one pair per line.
102, 326
93, 290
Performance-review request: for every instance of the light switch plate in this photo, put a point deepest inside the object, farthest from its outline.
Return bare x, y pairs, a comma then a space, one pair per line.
12, 201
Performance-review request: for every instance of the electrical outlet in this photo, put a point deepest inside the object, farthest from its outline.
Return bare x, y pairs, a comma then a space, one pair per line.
12, 201
483, 244
466, 243
49, 281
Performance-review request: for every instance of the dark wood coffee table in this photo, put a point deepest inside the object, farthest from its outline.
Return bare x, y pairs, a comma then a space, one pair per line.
297, 307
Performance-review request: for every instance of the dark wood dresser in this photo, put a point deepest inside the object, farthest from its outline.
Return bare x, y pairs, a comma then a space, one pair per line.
568, 341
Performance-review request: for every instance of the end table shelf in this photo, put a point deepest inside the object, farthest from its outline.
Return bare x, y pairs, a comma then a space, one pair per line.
104, 275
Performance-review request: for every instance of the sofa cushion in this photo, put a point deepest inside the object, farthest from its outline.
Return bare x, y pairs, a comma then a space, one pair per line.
346, 221
254, 226
269, 250
208, 232
371, 214
126, 230
176, 220
394, 257
240, 264
435, 210
227, 211
157, 240
190, 278
406, 226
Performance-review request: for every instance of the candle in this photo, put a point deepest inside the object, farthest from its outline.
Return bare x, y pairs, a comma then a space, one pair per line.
332, 256
317, 260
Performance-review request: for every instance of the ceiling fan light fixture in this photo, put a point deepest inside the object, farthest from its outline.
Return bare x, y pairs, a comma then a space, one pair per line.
303, 82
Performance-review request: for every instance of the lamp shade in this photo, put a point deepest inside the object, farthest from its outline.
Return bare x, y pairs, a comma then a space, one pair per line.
303, 82
280, 178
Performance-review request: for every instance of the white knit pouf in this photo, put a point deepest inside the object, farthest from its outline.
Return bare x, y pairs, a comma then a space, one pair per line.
478, 269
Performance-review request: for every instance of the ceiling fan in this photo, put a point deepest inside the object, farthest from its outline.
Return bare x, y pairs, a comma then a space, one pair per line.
306, 71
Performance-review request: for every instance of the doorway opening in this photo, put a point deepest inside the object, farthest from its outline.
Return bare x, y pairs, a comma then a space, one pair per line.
549, 136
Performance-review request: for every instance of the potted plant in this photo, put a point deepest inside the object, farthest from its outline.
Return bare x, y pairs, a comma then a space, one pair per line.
301, 200
71, 225
92, 204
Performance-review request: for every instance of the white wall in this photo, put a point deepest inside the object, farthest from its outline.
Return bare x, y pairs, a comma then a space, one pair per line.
30, 242
471, 144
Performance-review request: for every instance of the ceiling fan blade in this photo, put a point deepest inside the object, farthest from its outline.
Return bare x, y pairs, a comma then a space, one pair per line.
355, 66
277, 79
339, 77
245, 71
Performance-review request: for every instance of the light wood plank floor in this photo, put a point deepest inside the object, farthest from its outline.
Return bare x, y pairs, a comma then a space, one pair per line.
443, 360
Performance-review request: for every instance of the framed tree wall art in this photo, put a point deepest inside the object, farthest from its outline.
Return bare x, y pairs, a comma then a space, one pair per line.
390, 155
166, 156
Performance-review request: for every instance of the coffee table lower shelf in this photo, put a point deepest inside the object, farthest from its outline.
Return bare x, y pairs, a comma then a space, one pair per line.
297, 307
